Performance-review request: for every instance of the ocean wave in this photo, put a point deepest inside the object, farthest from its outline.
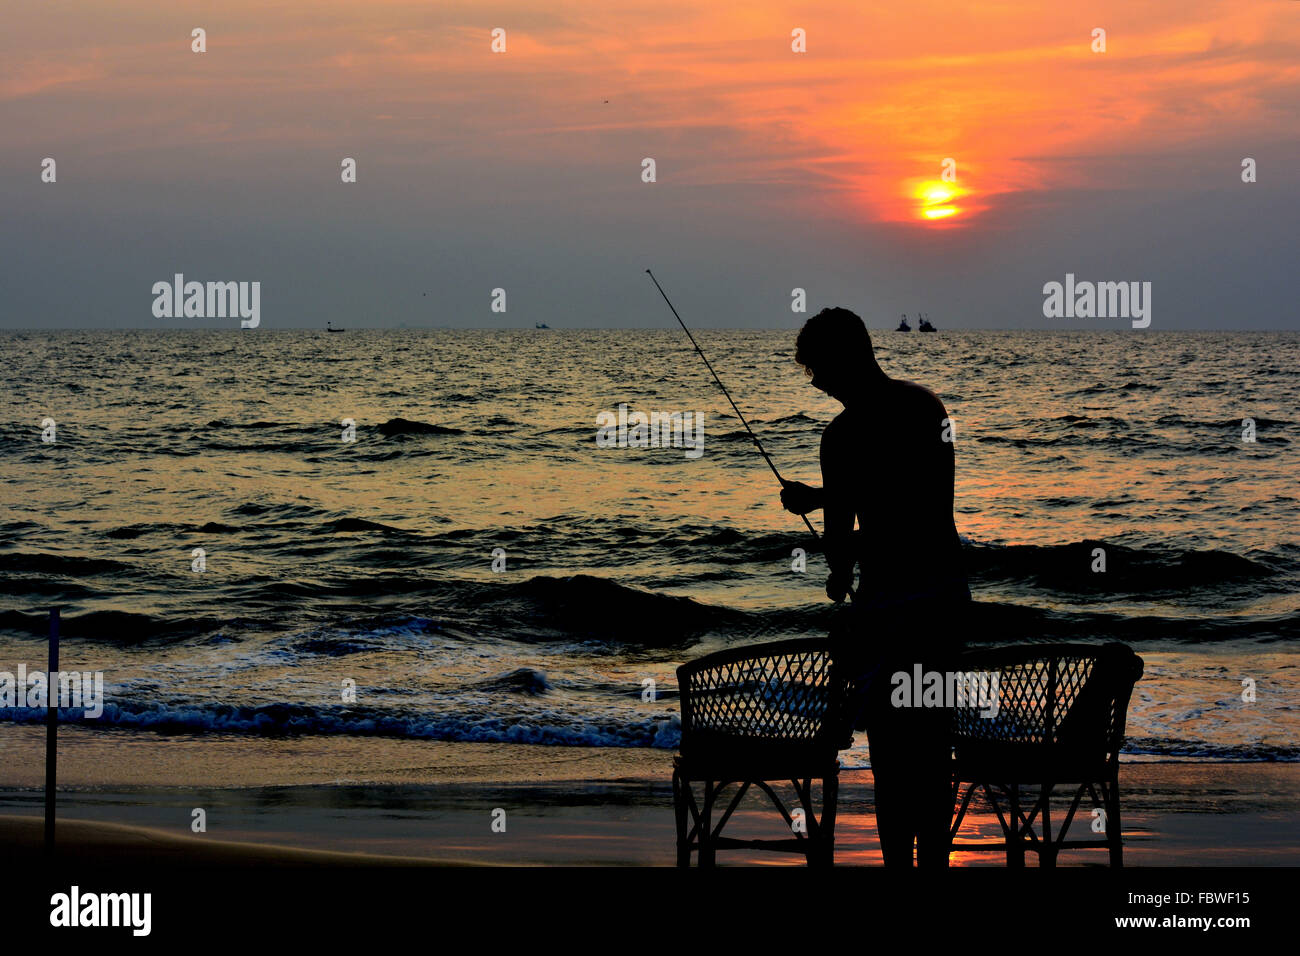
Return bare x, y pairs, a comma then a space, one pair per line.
132, 531
1253, 752
115, 627
1129, 443
1068, 567
997, 622
521, 680
222, 423
363, 524
585, 607
547, 727
797, 419
282, 519
405, 426
38, 563
1131, 386
1232, 423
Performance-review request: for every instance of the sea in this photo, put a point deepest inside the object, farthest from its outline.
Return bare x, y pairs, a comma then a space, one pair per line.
415, 533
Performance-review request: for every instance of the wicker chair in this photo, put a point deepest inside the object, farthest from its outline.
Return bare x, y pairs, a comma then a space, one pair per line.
767, 712
1060, 720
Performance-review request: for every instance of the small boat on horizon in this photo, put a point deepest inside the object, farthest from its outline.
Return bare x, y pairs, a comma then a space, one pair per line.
903, 326
330, 328
925, 325
541, 325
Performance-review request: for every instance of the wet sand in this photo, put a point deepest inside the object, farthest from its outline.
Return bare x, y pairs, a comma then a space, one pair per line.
320, 802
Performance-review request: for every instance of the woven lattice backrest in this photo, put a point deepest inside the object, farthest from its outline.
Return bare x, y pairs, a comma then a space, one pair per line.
1054, 695
782, 692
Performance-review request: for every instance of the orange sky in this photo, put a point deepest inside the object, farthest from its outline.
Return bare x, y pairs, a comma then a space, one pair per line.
879, 99
739, 125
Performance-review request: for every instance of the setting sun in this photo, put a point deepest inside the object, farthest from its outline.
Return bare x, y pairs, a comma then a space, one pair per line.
935, 197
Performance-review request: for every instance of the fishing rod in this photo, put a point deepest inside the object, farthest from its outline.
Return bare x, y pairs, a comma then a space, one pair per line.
757, 444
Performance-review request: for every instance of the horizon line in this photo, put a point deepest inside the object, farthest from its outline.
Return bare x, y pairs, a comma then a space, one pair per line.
599, 328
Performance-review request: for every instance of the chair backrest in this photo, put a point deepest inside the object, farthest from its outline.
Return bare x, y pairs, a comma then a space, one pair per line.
1069, 696
785, 692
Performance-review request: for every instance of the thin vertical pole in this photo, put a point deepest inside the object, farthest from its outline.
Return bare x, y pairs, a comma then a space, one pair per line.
51, 730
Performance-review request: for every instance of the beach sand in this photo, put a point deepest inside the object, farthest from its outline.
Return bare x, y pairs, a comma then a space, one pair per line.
129, 798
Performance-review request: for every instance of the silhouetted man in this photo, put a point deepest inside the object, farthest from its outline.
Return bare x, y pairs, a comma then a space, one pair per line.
887, 462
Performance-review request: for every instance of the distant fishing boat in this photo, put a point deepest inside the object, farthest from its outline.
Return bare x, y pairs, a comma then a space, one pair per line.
903, 326
541, 325
330, 328
925, 325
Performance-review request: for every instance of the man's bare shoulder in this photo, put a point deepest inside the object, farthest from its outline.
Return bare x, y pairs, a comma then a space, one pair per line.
918, 397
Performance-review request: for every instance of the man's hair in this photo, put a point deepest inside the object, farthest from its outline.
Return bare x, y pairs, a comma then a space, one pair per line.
833, 336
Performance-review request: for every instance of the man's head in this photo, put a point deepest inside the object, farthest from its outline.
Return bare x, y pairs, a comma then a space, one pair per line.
835, 350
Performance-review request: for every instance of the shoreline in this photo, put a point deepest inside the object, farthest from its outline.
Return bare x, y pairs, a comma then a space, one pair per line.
113, 758
95, 843
91, 758
125, 798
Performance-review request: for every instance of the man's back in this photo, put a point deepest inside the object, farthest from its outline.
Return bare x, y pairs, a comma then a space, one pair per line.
890, 460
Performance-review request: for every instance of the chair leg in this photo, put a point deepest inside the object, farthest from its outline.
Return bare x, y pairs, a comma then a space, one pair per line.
708, 852
1015, 846
680, 790
812, 831
826, 829
1047, 853
1114, 829
960, 806
820, 834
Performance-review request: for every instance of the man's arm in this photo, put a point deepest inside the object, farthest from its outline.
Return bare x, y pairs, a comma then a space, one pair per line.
798, 498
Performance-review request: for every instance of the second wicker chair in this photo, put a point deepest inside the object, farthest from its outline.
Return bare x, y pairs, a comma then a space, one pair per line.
1059, 720
752, 716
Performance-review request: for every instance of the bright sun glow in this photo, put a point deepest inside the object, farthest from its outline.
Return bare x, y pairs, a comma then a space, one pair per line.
938, 194
935, 197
